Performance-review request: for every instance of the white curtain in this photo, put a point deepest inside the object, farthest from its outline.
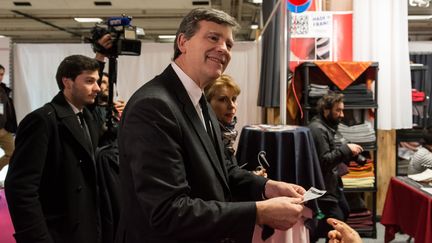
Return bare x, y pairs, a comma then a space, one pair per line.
35, 66
381, 35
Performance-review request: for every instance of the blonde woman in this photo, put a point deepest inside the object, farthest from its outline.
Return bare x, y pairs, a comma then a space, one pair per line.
222, 95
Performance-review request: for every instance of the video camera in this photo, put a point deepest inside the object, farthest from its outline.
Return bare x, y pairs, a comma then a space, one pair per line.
124, 37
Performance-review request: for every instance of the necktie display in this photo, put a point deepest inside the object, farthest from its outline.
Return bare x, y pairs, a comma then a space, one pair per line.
206, 116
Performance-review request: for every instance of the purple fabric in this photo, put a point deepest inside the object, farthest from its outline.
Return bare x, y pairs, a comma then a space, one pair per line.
6, 227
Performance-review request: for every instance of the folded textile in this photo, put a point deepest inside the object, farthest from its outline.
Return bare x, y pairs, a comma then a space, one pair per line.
342, 74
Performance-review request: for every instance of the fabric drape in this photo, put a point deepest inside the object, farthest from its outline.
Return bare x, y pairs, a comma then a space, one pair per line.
269, 94
416, 77
380, 35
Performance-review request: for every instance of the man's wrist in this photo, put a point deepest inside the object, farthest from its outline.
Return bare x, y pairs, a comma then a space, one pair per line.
265, 190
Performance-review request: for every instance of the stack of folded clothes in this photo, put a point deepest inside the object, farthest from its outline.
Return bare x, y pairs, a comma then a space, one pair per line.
317, 90
359, 176
357, 94
360, 220
362, 134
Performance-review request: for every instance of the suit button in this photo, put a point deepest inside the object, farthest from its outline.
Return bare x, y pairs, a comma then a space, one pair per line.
79, 189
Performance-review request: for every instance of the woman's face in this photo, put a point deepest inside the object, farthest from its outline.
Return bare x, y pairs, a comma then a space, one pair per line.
224, 104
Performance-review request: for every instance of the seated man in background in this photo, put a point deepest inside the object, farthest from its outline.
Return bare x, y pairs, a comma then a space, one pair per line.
422, 158
332, 157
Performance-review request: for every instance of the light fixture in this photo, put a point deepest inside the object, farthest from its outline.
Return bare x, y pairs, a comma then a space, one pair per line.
140, 31
166, 36
419, 3
419, 17
254, 26
88, 20
256, 1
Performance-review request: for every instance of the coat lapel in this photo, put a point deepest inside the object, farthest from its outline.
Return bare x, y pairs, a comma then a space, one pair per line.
196, 122
70, 121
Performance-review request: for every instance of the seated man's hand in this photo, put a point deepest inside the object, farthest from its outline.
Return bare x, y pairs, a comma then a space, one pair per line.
355, 148
283, 189
279, 213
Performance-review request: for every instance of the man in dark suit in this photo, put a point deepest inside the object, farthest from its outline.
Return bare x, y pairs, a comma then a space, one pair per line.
51, 186
177, 184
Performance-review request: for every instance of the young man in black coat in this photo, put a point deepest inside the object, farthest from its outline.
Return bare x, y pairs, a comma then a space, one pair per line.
51, 186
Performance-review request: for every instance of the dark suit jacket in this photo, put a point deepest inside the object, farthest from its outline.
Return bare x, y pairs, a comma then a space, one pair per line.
51, 182
176, 186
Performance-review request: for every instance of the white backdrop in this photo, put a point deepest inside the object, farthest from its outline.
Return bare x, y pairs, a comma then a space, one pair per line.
380, 34
36, 65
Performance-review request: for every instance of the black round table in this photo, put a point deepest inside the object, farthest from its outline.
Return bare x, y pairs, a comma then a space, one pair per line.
290, 151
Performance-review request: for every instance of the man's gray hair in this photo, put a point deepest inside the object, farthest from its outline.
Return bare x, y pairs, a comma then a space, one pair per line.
189, 25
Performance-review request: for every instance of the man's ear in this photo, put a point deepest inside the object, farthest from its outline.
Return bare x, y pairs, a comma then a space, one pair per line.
66, 82
326, 112
181, 42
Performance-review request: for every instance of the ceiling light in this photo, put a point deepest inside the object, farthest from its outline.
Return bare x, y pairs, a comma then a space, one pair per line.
88, 20
257, 1
419, 3
419, 17
140, 31
254, 26
166, 36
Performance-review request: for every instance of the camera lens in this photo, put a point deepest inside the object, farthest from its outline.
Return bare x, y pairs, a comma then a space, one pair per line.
360, 159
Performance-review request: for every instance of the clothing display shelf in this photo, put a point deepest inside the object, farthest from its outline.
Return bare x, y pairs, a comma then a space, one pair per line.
351, 76
407, 139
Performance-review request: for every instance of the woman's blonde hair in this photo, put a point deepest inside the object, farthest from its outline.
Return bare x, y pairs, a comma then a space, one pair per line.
223, 81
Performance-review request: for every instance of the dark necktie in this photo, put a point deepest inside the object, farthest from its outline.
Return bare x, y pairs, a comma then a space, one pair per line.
85, 130
206, 116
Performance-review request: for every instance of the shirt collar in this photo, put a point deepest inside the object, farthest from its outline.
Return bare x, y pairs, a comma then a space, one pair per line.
193, 90
74, 108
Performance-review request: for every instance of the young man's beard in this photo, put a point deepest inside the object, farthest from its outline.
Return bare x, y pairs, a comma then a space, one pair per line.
333, 121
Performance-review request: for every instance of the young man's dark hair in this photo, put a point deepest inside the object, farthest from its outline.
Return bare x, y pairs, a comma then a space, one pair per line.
189, 24
74, 65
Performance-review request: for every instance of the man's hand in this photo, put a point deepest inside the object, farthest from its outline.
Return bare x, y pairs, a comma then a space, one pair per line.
279, 213
106, 42
342, 233
283, 189
119, 105
355, 148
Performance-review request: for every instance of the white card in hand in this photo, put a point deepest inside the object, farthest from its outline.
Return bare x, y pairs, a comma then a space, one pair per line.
312, 193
